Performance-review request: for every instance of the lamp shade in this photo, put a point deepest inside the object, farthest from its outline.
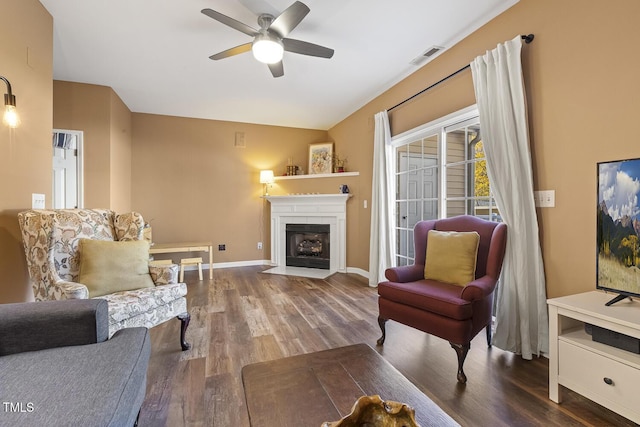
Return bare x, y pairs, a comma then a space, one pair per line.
266, 177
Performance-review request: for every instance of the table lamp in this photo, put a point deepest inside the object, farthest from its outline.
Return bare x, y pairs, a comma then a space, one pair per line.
266, 178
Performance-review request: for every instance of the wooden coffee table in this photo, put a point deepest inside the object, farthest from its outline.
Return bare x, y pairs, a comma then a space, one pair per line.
308, 389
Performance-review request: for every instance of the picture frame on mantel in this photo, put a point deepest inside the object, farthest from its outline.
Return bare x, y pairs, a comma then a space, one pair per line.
320, 158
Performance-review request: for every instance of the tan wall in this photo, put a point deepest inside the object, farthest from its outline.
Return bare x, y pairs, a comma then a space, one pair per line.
26, 58
583, 94
87, 108
106, 123
354, 139
120, 167
191, 183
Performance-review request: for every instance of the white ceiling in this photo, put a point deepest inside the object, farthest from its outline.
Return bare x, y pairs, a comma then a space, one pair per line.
155, 54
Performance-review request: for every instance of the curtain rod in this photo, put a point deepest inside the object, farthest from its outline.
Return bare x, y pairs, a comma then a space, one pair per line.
527, 39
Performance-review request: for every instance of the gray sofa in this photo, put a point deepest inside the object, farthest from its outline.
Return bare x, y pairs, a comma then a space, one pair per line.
58, 367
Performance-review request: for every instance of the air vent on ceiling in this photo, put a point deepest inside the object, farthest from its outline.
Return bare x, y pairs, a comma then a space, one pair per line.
426, 54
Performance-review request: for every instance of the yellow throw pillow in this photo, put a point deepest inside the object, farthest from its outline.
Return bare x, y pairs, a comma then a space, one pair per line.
451, 256
107, 266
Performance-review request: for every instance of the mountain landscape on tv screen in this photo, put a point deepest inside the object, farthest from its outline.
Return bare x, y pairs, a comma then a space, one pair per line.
618, 238
618, 222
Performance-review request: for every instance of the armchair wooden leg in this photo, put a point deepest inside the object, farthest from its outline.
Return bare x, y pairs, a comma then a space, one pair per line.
461, 350
381, 323
184, 323
489, 335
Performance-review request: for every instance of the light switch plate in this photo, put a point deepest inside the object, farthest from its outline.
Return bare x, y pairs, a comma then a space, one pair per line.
37, 201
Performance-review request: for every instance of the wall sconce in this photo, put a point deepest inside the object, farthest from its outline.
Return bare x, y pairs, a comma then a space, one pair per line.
10, 118
266, 178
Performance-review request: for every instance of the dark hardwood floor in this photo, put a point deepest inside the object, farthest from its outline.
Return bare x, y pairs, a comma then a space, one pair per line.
244, 316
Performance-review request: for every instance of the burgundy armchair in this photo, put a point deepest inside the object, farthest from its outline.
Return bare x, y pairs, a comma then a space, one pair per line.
452, 312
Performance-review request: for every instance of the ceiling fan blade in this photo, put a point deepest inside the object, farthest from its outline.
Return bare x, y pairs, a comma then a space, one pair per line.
232, 52
277, 69
236, 25
289, 19
306, 48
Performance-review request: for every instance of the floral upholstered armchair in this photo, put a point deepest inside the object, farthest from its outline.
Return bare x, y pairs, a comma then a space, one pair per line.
51, 241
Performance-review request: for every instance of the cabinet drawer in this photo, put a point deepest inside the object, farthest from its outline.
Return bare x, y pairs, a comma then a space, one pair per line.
584, 371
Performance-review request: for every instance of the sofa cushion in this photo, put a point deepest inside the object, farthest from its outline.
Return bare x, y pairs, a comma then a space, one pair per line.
107, 266
438, 297
451, 256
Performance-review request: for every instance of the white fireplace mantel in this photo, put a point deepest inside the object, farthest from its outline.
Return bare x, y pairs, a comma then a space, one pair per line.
310, 209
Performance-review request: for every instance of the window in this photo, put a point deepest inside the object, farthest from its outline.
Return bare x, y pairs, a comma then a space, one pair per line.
440, 172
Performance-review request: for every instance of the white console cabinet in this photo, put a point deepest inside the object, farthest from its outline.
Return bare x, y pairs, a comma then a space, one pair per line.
605, 374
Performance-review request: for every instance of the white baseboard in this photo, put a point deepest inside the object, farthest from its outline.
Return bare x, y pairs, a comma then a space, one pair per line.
240, 263
359, 271
233, 264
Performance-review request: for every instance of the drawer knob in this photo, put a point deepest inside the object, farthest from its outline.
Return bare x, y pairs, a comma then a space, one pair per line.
608, 381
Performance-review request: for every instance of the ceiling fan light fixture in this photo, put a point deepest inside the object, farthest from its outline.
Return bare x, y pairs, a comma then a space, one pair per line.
270, 42
267, 49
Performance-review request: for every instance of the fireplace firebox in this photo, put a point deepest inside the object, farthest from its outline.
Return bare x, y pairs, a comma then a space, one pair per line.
307, 245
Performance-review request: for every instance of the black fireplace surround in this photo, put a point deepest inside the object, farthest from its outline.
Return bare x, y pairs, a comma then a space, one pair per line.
308, 245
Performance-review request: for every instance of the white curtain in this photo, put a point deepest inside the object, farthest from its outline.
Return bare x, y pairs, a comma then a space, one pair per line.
382, 245
521, 314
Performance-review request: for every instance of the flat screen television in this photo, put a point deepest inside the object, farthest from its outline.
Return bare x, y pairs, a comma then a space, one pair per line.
618, 232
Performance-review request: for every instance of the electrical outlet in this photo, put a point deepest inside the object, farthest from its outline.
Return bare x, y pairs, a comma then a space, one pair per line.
259, 245
222, 247
545, 199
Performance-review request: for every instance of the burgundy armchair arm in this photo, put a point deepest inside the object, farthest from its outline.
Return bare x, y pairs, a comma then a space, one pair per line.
404, 274
475, 290
478, 289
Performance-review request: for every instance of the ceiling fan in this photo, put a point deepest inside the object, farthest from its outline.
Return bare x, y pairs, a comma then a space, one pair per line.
270, 41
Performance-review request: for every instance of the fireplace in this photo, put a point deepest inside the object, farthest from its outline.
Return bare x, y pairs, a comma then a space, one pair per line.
305, 209
308, 245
